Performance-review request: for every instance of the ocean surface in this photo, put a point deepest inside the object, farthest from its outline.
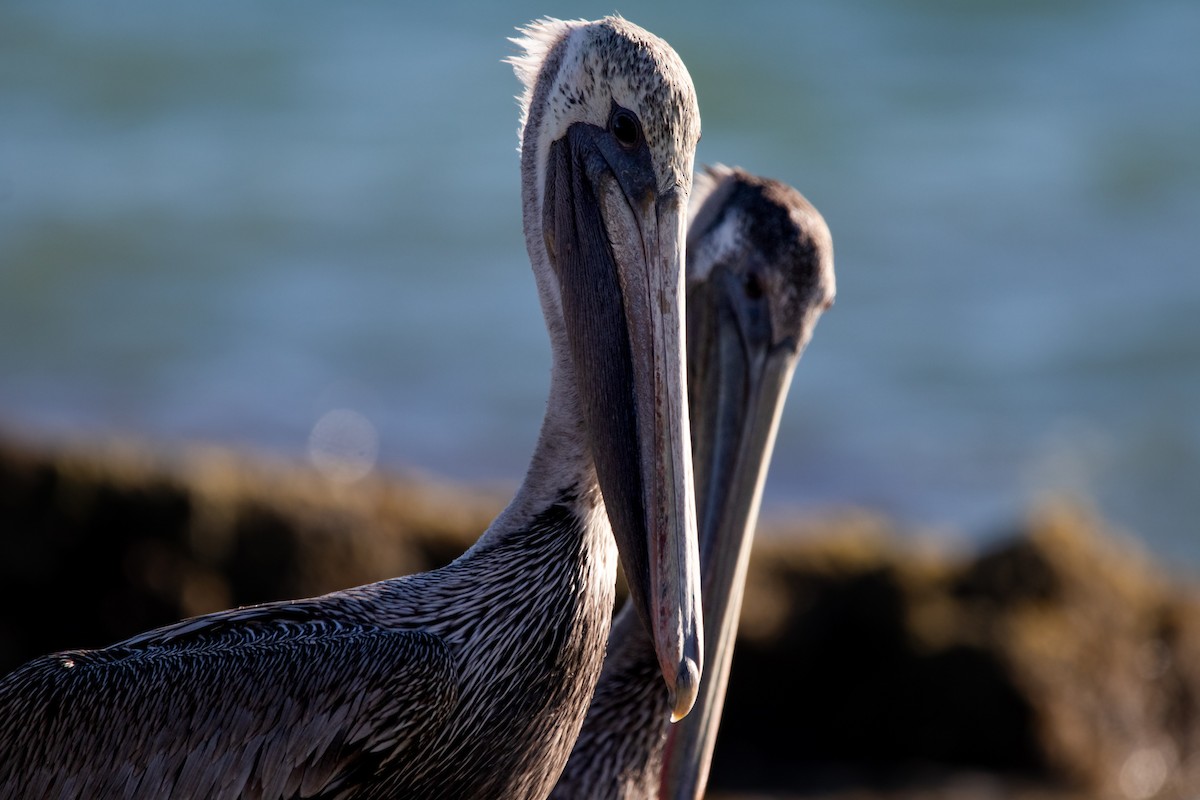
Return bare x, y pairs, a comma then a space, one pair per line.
295, 227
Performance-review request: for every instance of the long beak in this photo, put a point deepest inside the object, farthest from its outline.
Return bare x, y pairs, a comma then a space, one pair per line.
618, 248
738, 384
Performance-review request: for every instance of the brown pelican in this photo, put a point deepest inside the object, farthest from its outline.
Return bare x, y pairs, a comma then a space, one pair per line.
760, 272
472, 680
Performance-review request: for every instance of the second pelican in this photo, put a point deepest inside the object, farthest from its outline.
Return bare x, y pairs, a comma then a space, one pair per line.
760, 273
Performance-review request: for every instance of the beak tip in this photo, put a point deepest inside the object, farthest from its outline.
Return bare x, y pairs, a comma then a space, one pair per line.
687, 687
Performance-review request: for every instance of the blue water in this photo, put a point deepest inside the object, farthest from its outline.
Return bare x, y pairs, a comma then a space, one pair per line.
220, 220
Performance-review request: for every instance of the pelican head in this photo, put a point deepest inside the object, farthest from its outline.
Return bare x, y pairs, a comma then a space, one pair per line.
759, 275
609, 131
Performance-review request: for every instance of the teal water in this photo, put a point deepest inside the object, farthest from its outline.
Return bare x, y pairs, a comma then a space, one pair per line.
220, 220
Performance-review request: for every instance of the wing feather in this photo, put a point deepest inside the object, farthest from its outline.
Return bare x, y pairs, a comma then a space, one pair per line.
275, 706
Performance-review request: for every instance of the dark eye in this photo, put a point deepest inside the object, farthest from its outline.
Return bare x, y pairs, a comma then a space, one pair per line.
624, 126
753, 287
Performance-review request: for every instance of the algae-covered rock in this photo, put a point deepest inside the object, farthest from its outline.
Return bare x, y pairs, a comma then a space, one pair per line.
1059, 657
99, 544
1061, 662
1107, 647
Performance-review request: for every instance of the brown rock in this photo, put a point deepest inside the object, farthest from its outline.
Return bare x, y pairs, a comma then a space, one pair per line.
99, 544
1061, 662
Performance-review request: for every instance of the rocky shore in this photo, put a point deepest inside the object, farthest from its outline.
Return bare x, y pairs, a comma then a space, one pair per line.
1060, 662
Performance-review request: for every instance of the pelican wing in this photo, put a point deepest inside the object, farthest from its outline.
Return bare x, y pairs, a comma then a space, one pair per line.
261, 703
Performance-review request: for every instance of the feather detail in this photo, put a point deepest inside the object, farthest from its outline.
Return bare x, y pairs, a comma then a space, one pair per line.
536, 40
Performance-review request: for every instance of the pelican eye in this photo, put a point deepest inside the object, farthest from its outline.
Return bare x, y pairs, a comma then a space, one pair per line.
752, 286
623, 125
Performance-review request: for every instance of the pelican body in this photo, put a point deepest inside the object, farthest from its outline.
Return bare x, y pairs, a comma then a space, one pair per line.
760, 273
471, 680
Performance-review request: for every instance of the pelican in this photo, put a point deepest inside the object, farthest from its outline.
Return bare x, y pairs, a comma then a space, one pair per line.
472, 680
759, 275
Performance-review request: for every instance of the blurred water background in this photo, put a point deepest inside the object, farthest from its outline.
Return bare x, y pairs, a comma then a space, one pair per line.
221, 221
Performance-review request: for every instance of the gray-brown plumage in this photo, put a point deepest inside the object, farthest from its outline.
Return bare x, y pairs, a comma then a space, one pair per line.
472, 680
760, 272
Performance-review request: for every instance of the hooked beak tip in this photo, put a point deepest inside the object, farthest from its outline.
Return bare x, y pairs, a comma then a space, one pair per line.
687, 687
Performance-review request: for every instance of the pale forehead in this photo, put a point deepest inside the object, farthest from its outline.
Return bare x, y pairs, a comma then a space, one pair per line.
719, 244
613, 60
645, 75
